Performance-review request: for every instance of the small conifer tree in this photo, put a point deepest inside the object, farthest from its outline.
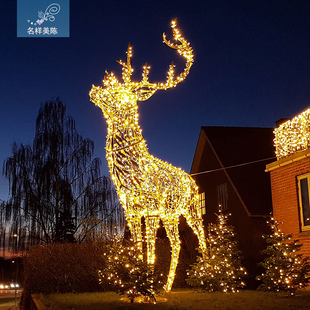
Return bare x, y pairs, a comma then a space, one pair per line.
127, 273
285, 268
219, 267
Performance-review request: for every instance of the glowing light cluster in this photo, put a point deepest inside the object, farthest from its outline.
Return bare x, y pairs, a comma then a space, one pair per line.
293, 135
147, 187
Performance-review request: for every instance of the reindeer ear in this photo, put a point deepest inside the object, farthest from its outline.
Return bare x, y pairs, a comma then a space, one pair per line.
145, 93
110, 80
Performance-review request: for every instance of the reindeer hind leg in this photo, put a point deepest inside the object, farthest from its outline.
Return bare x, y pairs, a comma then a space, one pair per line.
196, 224
172, 232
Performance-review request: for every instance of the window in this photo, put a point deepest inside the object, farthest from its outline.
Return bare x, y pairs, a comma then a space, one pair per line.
303, 192
222, 194
202, 203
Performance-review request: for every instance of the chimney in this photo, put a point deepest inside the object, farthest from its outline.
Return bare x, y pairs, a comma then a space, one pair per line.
281, 121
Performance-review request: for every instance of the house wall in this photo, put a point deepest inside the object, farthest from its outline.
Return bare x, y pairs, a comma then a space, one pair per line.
285, 202
249, 230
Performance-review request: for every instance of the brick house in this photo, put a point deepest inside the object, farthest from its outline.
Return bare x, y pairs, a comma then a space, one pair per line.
229, 169
290, 178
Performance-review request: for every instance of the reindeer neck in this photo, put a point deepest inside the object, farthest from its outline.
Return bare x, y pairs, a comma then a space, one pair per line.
125, 134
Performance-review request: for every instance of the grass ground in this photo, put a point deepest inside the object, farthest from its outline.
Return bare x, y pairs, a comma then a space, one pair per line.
183, 300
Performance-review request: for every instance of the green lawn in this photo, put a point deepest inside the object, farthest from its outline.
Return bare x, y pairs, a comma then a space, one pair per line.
183, 300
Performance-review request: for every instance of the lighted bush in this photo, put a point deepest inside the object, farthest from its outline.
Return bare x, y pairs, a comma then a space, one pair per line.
218, 268
285, 268
128, 274
63, 268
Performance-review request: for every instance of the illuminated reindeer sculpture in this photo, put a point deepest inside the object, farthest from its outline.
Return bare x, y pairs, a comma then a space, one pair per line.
147, 187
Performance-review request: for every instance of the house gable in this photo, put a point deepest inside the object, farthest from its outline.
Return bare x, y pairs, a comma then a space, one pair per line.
229, 166
241, 153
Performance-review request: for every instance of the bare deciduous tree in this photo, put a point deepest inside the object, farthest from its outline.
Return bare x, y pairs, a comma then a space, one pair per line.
56, 193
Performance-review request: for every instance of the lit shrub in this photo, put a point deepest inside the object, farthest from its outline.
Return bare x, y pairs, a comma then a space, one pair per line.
127, 273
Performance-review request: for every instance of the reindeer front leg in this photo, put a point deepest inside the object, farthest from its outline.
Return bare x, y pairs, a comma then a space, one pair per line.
172, 232
134, 223
151, 225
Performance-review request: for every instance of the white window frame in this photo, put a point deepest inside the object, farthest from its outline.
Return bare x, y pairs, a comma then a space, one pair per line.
222, 196
303, 201
202, 203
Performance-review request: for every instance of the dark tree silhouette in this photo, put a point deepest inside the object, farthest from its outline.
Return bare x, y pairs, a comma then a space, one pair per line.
56, 191
2, 228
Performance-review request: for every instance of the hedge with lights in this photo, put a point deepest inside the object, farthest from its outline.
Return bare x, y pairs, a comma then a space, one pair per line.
293, 136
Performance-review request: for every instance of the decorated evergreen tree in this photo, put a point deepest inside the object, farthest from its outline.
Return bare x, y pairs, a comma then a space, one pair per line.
219, 267
127, 273
285, 268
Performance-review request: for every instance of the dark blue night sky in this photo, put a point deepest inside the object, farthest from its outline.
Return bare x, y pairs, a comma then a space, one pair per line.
251, 68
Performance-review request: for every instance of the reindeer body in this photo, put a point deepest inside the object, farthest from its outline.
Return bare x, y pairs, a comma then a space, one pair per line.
147, 186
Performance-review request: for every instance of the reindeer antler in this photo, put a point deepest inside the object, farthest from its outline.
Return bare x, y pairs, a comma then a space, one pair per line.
144, 89
127, 69
185, 51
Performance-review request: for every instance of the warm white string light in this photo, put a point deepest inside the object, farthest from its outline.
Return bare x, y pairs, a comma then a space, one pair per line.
293, 135
147, 187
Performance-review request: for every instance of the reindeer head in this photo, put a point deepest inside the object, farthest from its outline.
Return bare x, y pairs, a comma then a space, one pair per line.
117, 97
